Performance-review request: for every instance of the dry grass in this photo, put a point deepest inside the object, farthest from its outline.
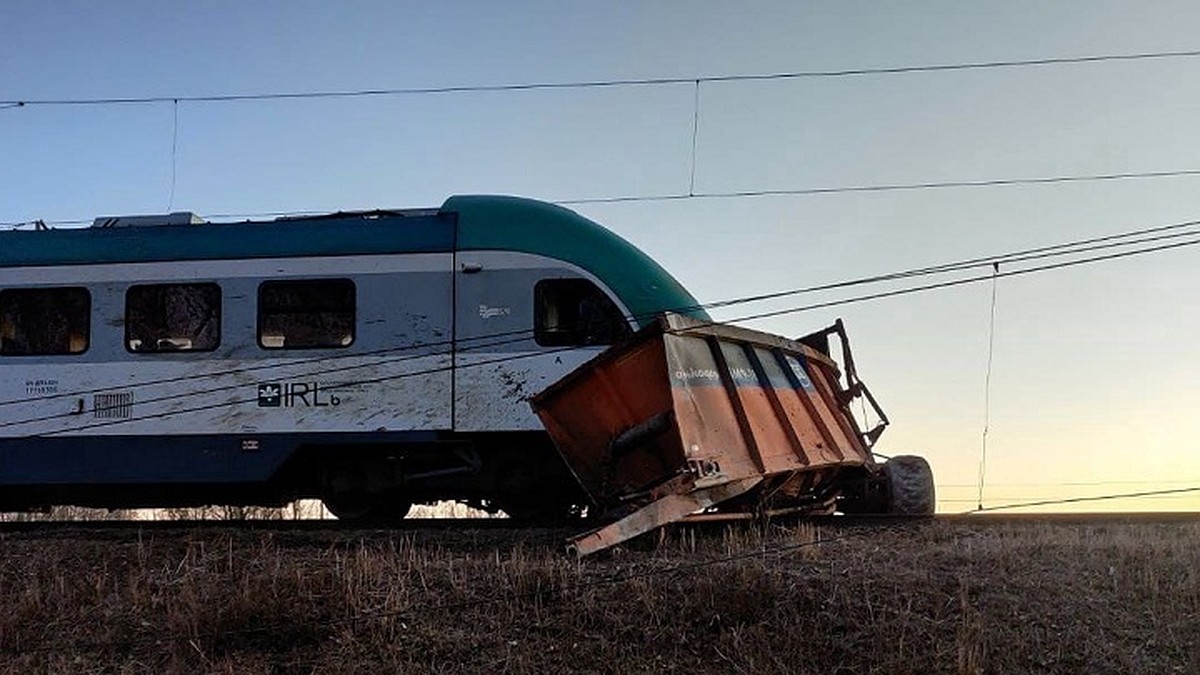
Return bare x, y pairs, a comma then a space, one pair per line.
928, 597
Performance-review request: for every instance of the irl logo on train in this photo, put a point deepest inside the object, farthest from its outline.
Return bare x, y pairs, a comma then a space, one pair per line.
295, 394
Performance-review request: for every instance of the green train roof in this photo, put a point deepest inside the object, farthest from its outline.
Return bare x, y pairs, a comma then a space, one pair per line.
529, 226
465, 223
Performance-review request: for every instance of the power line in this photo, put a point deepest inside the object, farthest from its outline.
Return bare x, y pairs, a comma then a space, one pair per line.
696, 82
460, 344
1073, 483
1122, 239
341, 369
240, 401
514, 336
1177, 230
1073, 500
608, 83
746, 194
510, 358
1021, 497
887, 187
960, 282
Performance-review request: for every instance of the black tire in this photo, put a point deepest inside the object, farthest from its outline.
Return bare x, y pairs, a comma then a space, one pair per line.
361, 507
910, 486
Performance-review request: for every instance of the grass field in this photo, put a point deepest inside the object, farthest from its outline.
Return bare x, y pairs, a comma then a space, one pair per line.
910, 598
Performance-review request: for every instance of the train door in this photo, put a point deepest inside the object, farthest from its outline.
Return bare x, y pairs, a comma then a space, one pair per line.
521, 323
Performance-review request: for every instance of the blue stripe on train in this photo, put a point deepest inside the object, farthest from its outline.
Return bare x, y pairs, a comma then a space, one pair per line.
218, 458
343, 235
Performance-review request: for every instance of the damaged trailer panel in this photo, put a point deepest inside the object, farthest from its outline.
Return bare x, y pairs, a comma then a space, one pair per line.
690, 415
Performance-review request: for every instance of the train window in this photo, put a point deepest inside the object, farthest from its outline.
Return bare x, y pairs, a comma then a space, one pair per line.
575, 312
173, 318
306, 314
44, 321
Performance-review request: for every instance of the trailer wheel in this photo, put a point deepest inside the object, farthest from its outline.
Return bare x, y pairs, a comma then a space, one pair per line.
364, 507
910, 486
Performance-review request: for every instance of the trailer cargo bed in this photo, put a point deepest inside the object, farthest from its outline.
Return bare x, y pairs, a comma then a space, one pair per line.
690, 416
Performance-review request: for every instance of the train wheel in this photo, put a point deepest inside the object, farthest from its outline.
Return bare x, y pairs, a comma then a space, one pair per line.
367, 507
910, 486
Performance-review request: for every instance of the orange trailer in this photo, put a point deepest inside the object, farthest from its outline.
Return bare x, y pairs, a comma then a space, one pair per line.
690, 416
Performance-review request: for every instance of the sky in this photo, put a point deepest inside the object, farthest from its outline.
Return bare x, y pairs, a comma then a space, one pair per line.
1093, 385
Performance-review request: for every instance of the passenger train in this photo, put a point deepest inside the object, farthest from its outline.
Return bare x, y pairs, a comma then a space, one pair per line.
371, 360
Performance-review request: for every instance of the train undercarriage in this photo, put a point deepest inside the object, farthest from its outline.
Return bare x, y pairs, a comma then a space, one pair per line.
519, 473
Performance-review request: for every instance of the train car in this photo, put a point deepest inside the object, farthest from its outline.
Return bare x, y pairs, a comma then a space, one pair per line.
369, 359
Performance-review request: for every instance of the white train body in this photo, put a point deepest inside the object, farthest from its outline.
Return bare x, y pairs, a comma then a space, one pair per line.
368, 359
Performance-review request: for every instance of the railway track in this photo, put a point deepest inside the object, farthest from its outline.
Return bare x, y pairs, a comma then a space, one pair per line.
507, 524
265, 525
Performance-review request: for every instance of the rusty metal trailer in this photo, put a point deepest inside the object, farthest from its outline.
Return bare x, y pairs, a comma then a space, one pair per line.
693, 419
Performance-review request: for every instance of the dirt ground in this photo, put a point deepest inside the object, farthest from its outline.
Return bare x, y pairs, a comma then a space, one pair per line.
918, 597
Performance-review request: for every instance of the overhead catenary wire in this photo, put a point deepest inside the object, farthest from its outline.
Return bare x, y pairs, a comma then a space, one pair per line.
510, 358
960, 282
695, 82
888, 187
608, 83
1020, 499
505, 338
731, 78
1095, 483
1182, 229
1091, 498
463, 344
746, 194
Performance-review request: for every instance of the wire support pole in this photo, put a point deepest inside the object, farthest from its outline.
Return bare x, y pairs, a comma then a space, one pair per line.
174, 151
695, 134
987, 386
